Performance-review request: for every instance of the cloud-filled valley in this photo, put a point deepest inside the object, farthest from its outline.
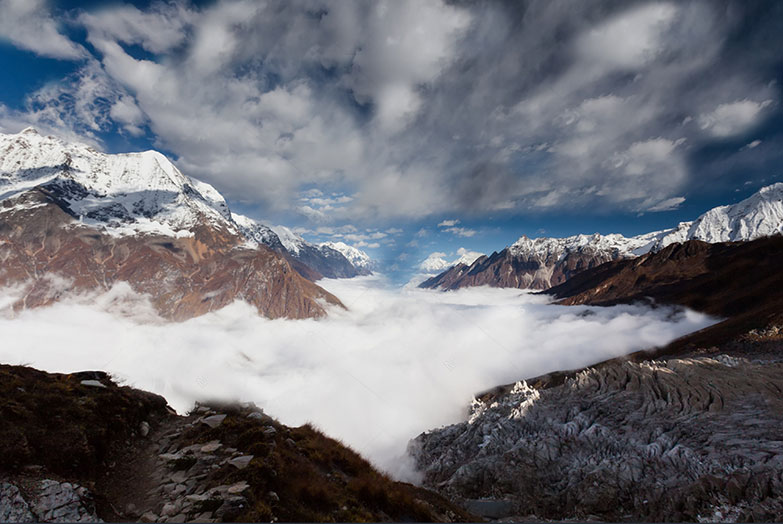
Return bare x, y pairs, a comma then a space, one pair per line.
396, 363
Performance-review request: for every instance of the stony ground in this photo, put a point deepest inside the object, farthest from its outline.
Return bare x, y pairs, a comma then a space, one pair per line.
685, 439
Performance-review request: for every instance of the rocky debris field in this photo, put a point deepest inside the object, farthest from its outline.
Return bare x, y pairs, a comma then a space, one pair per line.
687, 439
80, 448
46, 501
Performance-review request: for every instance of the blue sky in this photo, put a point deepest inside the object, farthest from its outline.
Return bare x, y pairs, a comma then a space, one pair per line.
373, 122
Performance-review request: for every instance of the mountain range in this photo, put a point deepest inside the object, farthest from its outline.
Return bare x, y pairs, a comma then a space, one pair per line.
541, 263
75, 219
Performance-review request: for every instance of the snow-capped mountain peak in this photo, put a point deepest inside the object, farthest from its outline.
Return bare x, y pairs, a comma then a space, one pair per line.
291, 241
256, 232
126, 193
357, 257
556, 248
759, 215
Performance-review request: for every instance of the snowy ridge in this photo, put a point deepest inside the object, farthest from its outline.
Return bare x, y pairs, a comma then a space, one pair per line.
357, 257
757, 216
290, 240
144, 193
558, 248
256, 232
125, 193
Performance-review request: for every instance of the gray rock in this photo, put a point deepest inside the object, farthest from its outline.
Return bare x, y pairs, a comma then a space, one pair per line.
678, 440
238, 488
144, 429
178, 477
13, 507
169, 509
55, 501
231, 508
92, 383
213, 421
273, 496
488, 508
241, 461
270, 431
149, 517
211, 447
179, 517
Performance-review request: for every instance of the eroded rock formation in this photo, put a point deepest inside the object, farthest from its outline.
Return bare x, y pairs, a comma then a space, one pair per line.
684, 439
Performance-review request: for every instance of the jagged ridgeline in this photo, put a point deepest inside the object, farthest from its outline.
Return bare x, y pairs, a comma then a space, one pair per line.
74, 219
541, 263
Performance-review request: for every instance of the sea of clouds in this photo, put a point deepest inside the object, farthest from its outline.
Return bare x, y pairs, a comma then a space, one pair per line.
397, 362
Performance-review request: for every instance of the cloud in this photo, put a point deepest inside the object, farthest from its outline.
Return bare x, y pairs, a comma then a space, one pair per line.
733, 118
667, 205
28, 24
467, 256
631, 39
448, 223
460, 231
435, 263
395, 364
446, 109
158, 30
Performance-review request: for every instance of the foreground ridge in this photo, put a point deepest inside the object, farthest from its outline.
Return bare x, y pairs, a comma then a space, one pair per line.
82, 449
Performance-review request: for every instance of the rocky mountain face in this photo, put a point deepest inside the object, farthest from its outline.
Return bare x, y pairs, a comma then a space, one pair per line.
325, 259
76, 220
312, 261
536, 263
358, 258
545, 262
80, 448
694, 439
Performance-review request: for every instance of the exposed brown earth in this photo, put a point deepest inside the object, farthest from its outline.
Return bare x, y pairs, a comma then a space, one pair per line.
184, 277
120, 454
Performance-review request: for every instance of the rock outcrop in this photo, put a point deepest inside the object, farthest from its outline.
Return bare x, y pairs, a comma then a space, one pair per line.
684, 439
46, 500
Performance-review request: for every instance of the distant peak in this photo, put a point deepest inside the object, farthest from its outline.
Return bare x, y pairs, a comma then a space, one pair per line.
772, 188
30, 131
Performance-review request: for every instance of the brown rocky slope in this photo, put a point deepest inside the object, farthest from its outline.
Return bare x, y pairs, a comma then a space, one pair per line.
50, 253
740, 282
78, 447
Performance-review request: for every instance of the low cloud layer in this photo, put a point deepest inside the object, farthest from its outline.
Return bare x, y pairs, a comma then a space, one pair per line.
397, 363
